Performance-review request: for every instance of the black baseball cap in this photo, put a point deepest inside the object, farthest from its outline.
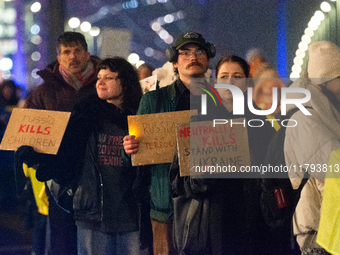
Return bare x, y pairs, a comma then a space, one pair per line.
190, 37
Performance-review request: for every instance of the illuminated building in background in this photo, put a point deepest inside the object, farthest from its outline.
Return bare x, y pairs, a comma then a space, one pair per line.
8, 42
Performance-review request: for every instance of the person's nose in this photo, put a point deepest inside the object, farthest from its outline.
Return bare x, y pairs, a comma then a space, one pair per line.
100, 81
230, 81
73, 55
193, 56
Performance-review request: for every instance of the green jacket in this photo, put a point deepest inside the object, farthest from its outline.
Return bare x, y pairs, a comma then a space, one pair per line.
160, 187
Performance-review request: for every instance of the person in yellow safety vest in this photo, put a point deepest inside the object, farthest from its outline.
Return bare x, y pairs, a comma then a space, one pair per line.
40, 243
329, 226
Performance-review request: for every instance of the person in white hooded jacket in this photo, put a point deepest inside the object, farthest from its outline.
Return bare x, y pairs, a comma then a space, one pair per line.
309, 144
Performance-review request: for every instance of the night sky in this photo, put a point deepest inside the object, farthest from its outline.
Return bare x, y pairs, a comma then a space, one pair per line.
233, 26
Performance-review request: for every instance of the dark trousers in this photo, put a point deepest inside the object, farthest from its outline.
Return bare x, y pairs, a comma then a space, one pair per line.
63, 230
40, 246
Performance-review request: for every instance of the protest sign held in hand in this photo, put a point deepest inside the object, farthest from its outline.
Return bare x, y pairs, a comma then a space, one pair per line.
41, 129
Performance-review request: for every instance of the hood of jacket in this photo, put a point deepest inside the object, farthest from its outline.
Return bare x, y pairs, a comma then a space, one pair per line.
321, 105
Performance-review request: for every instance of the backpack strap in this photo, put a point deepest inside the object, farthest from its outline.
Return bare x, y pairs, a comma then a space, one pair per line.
297, 198
298, 191
291, 112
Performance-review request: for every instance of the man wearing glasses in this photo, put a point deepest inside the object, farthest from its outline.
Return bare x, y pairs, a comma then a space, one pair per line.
190, 57
72, 77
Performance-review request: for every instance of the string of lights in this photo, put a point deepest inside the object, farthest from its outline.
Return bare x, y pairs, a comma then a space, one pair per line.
308, 36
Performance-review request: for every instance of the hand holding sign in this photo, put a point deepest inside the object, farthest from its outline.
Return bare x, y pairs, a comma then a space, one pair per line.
131, 144
156, 135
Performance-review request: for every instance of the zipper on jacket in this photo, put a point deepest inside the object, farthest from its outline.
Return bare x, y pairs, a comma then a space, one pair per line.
101, 185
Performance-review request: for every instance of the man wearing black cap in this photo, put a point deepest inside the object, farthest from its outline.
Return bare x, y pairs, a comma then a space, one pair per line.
190, 57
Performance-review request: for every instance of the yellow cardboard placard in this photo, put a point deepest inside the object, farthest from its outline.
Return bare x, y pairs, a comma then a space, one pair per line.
41, 129
157, 135
201, 145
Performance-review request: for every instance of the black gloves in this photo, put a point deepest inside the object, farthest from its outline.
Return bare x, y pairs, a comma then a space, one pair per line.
24, 154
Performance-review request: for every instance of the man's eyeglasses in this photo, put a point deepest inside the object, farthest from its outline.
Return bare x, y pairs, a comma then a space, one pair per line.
188, 54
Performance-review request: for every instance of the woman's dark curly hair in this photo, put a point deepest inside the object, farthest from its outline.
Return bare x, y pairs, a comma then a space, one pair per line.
132, 90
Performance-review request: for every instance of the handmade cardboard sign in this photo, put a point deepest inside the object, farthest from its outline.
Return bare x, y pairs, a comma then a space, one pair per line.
149, 83
204, 148
41, 129
157, 135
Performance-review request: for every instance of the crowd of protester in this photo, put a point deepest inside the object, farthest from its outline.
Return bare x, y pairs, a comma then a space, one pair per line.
117, 208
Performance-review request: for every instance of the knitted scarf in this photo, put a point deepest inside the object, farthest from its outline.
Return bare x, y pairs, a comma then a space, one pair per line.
77, 80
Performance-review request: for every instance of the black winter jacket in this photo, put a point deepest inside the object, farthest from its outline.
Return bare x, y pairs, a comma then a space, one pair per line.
55, 94
235, 221
90, 153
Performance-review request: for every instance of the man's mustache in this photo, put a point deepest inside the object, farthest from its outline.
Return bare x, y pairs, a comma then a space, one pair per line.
194, 64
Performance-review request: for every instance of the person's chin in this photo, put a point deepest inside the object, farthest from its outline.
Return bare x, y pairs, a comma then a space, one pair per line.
74, 70
101, 94
197, 71
227, 95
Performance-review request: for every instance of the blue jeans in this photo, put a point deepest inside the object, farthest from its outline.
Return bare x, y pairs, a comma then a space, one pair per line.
92, 242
